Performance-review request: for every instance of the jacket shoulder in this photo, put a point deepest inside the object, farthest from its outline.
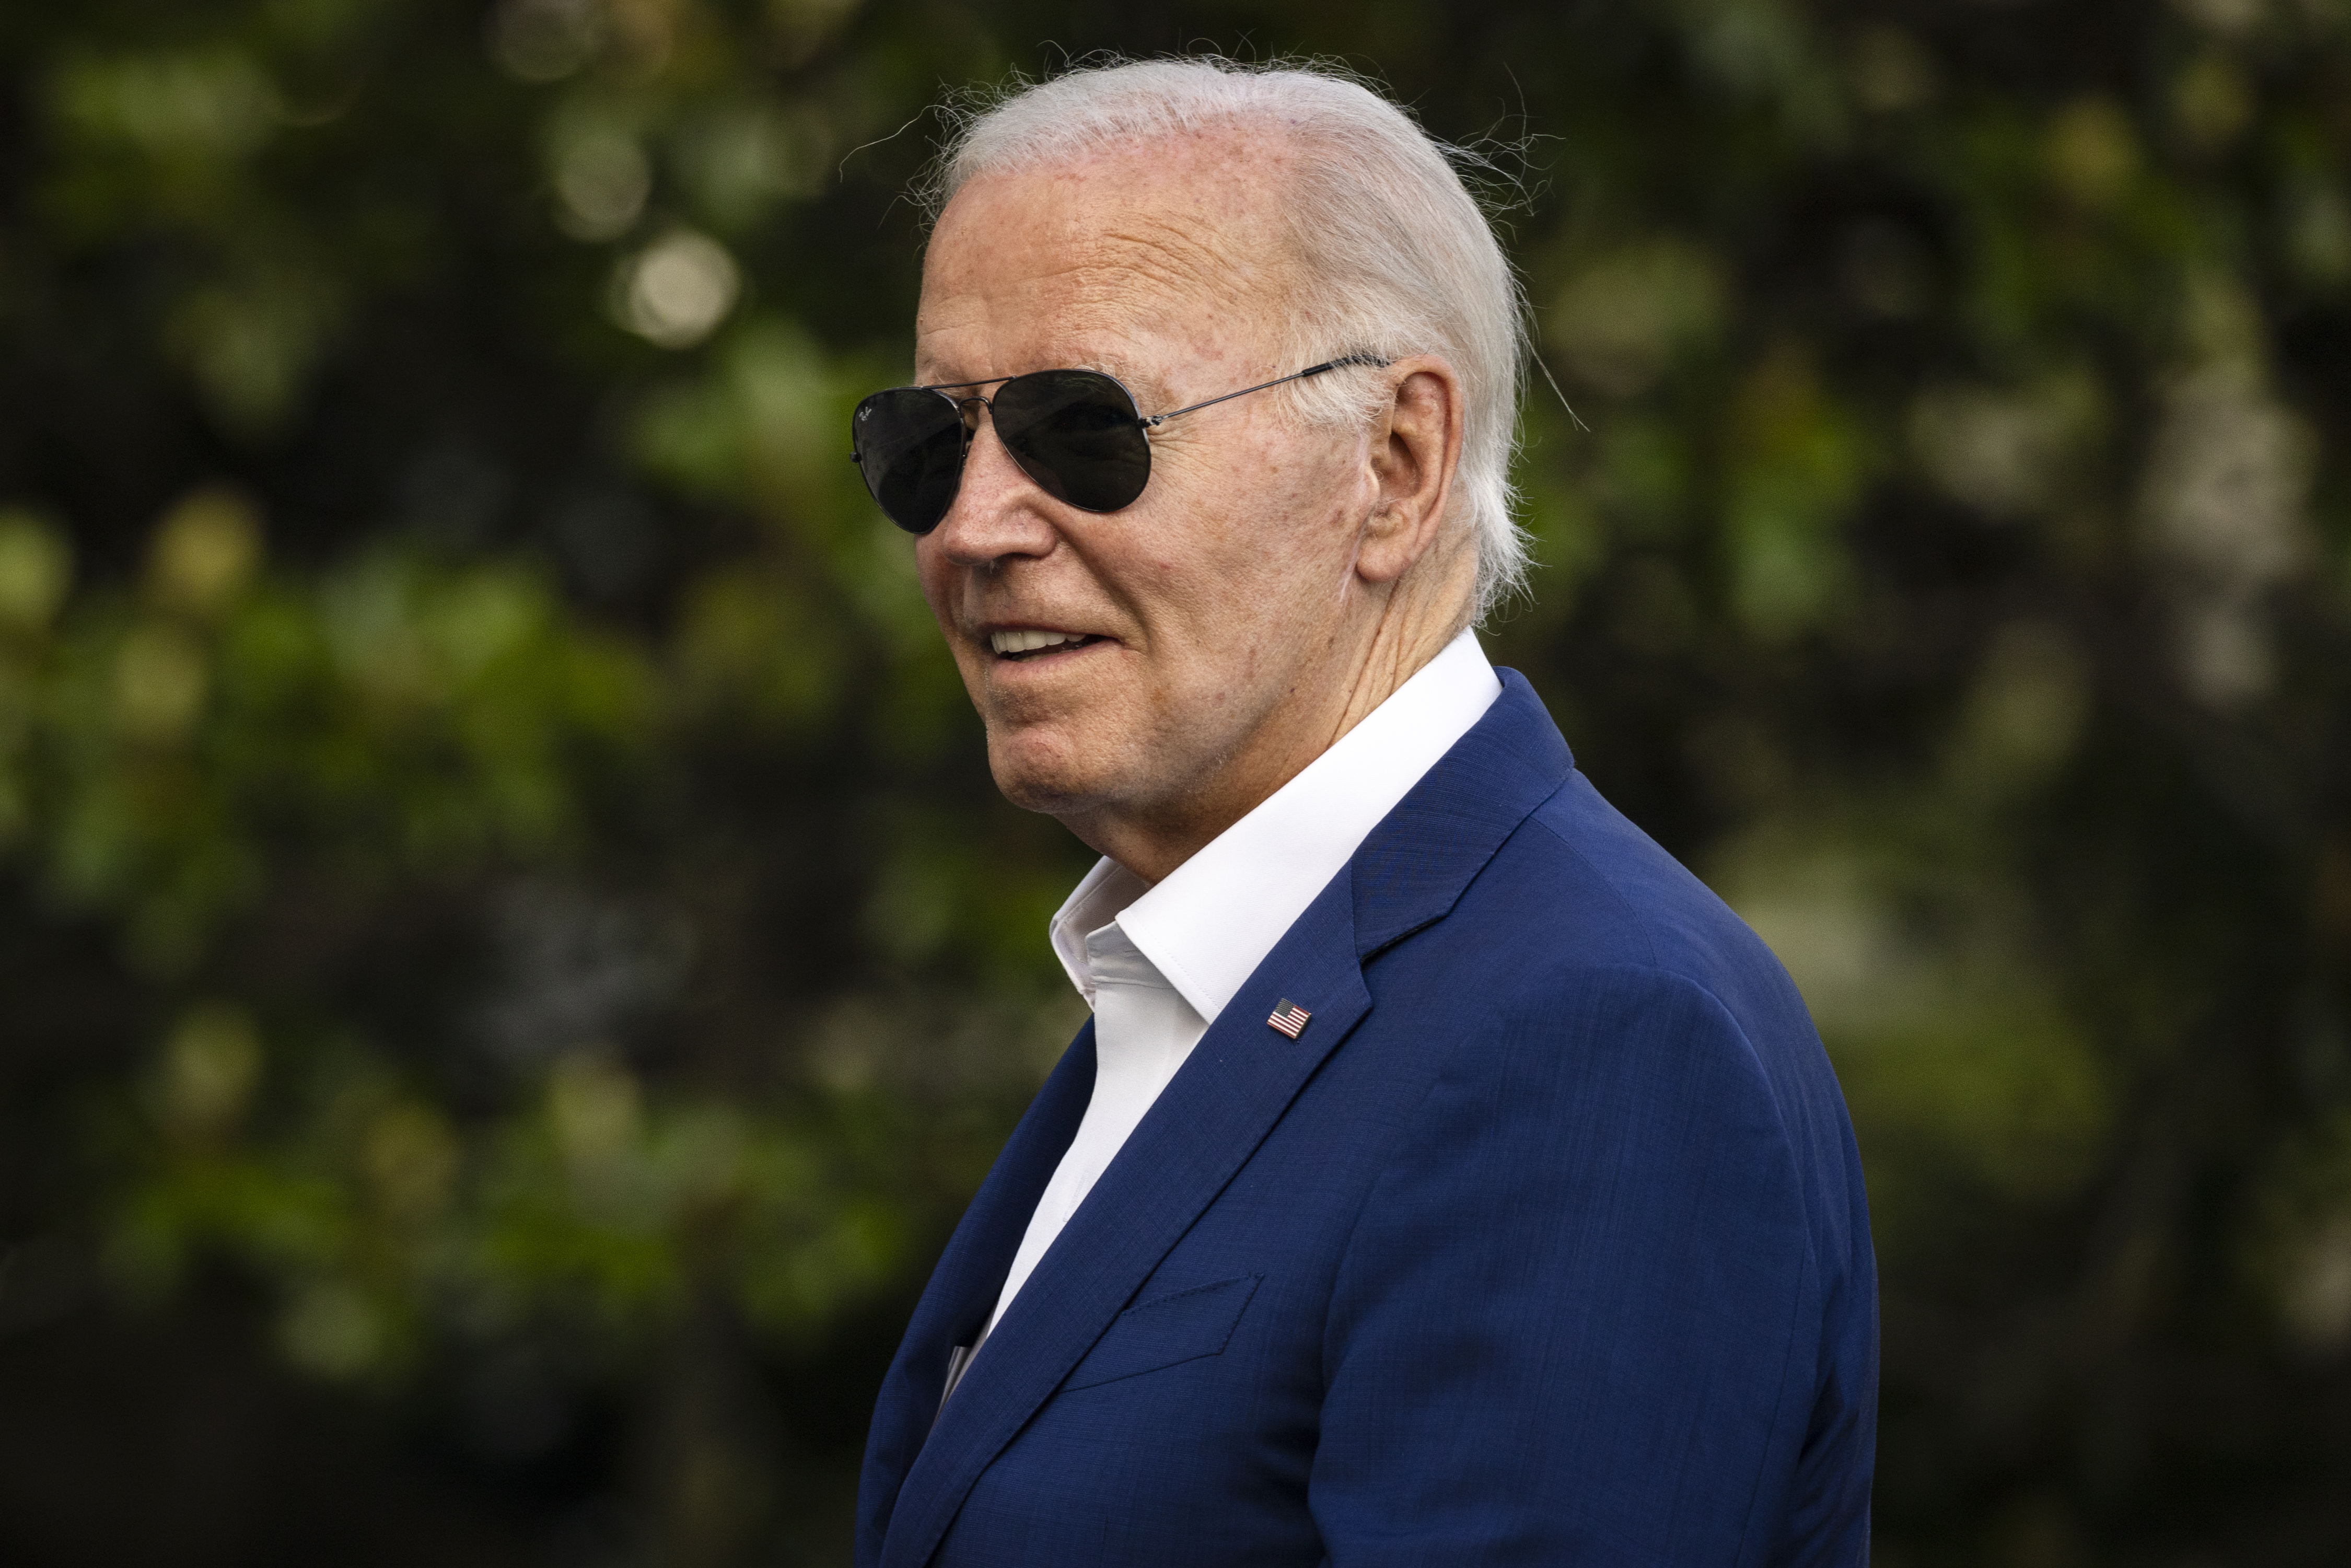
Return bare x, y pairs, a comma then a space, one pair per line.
1579, 896
1608, 895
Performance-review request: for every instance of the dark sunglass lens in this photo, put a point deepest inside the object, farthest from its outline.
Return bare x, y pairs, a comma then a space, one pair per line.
1076, 433
910, 447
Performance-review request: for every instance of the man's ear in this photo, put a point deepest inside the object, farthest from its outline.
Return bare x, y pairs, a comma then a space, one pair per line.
1414, 449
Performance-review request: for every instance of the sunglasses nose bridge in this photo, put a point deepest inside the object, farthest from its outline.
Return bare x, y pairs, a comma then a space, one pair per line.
968, 408
971, 407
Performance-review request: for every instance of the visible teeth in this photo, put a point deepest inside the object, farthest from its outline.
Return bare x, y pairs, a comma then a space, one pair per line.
1026, 641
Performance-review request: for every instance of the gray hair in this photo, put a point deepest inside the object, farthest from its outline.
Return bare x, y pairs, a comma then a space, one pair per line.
1402, 258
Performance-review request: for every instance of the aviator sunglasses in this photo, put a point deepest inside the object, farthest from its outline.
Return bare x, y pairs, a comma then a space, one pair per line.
1076, 433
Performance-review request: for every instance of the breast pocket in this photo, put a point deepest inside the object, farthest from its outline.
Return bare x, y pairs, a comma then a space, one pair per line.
1183, 1325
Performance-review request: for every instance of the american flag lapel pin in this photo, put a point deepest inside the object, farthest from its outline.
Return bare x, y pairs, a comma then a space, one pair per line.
1290, 1018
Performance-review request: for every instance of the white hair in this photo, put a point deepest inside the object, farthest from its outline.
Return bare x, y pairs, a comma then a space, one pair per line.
1400, 258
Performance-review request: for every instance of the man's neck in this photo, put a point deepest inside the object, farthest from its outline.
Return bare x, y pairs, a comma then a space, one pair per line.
1152, 844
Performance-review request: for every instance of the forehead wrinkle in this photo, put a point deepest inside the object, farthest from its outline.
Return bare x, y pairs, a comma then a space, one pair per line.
1197, 248
1091, 334
1133, 275
1181, 254
1079, 345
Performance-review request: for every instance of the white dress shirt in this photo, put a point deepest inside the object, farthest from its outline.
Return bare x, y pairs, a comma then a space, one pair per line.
1158, 964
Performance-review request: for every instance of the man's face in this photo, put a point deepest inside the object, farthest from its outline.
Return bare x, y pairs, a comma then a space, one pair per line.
1207, 619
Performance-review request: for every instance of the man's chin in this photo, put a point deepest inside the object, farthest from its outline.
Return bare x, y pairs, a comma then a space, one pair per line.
1048, 769
1054, 792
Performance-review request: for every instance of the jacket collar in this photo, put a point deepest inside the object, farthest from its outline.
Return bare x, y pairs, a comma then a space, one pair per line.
1208, 925
1418, 861
1235, 1085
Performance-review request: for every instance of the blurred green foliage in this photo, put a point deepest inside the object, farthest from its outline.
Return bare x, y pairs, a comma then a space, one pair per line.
513, 960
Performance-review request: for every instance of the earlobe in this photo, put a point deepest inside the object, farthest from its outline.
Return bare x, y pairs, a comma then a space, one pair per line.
1390, 543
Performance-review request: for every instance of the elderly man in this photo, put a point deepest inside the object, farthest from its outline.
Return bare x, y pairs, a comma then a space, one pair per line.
1445, 1176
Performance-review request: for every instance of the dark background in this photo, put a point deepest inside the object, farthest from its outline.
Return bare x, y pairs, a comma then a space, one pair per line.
510, 962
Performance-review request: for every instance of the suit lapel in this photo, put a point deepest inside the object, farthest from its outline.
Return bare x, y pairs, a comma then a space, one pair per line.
964, 1285
1219, 1106
1229, 1093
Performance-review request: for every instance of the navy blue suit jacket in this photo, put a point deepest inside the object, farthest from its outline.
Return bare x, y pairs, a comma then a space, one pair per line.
1544, 1242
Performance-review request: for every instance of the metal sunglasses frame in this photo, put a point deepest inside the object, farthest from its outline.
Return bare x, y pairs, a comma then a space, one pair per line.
1145, 422
1154, 421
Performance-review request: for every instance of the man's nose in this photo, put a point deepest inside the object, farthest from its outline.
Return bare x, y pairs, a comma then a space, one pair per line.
996, 511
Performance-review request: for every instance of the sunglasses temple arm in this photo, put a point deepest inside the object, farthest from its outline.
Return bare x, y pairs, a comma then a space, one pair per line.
1151, 422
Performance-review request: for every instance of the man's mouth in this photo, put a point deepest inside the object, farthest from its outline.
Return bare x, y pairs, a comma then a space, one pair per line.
1029, 643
